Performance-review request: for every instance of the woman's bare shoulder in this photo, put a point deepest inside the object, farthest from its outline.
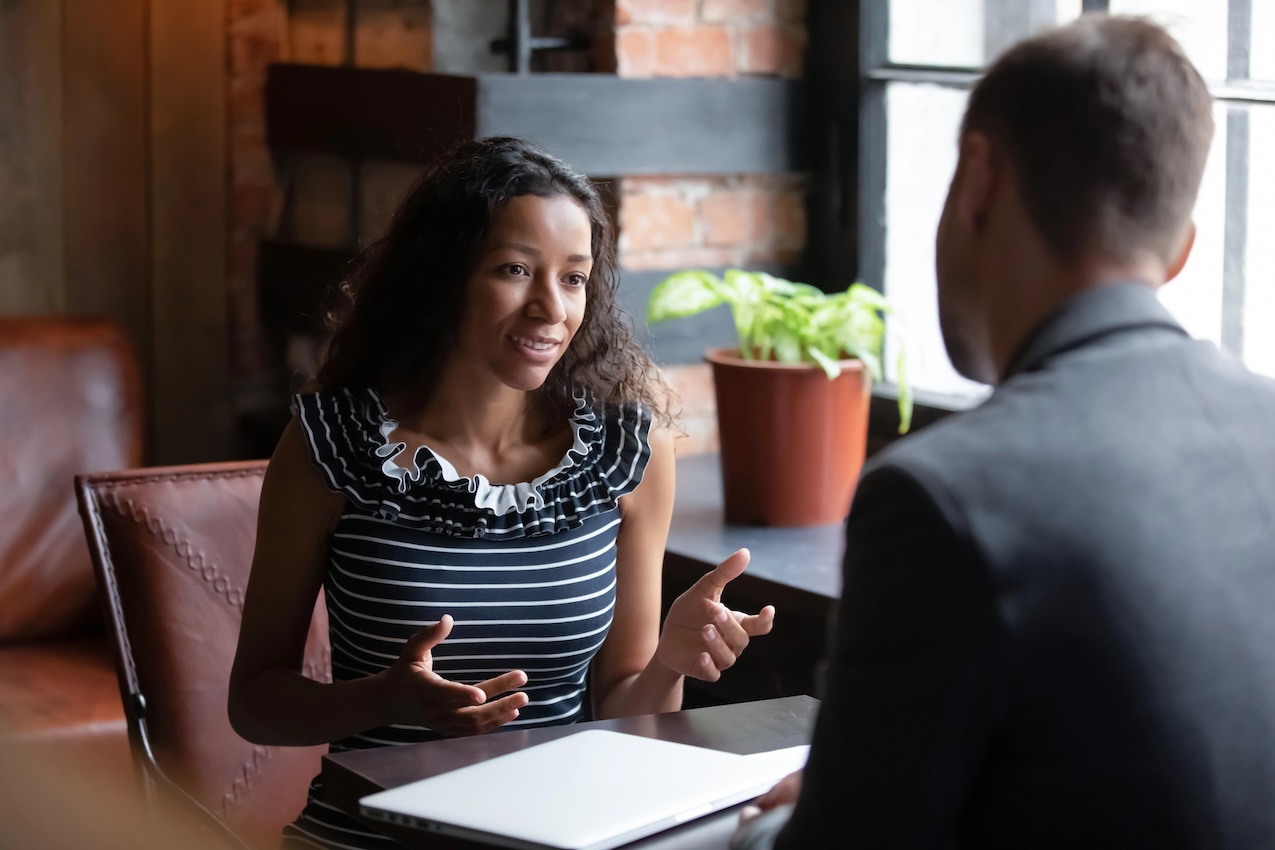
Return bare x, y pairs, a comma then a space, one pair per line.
294, 485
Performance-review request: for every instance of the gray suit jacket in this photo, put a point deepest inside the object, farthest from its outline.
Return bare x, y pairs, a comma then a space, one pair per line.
1058, 617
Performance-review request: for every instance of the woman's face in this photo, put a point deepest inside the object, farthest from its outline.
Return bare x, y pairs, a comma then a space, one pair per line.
525, 299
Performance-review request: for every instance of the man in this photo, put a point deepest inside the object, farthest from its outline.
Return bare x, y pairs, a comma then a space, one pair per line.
1058, 616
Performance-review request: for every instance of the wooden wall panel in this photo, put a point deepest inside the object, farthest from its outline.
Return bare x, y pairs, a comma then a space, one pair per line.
321, 201
394, 34
31, 266
188, 195
105, 144
316, 32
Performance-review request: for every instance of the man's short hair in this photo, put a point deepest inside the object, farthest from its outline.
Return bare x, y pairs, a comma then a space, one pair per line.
1108, 126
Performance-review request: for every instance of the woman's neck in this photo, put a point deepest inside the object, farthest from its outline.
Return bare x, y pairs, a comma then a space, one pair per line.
476, 416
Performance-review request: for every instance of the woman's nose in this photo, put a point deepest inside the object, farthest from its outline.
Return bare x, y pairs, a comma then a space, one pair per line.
545, 300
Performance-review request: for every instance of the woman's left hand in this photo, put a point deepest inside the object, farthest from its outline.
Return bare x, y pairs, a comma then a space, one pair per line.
701, 636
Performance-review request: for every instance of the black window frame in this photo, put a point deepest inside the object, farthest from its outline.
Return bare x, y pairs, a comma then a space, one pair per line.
866, 31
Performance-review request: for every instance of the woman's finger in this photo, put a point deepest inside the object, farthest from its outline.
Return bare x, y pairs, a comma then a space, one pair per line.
756, 624
711, 583
484, 718
439, 691
731, 630
707, 670
503, 683
510, 702
718, 650
418, 647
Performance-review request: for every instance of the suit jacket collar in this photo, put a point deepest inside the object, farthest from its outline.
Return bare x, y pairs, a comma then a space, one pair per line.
1086, 317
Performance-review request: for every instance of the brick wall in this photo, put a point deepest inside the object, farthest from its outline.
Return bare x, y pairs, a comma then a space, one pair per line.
709, 38
388, 34
687, 222
743, 220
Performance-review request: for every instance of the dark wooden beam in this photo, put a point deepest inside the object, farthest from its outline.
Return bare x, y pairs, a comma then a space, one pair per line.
186, 97
367, 114
607, 125
600, 123
32, 273
106, 176
832, 77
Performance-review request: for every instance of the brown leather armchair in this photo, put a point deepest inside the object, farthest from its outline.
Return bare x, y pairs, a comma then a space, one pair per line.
172, 548
69, 403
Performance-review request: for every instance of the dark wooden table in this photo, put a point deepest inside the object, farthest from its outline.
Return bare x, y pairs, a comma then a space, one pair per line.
750, 727
798, 570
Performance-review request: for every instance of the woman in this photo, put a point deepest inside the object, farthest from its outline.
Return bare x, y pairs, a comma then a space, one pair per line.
482, 484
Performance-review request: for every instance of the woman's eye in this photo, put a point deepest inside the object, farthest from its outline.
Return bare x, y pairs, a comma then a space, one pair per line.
577, 279
516, 269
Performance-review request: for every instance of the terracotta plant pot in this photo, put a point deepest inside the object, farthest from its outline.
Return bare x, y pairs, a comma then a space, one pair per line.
792, 441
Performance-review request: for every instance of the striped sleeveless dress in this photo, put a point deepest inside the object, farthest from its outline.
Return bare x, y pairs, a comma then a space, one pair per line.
526, 570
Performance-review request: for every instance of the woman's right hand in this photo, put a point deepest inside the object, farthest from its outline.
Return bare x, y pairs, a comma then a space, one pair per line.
421, 697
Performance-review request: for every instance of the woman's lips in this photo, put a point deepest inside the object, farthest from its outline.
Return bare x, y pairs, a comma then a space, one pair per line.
539, 349
535, 343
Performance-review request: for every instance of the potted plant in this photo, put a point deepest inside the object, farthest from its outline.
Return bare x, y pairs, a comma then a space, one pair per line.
793, 397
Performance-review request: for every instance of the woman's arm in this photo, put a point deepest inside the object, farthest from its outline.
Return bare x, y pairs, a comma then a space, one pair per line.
626, 678
640, 668
270, 701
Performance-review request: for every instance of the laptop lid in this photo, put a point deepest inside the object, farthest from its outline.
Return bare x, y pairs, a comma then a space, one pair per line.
593, 790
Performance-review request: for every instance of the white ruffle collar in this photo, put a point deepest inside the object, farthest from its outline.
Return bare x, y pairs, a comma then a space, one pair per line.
500, 499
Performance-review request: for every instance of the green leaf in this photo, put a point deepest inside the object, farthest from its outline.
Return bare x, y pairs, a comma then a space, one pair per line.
742, 286
905, 392
683, 294
787, 287
748, 328
831, 367
787, 346
860, 331
870, 360
868, 297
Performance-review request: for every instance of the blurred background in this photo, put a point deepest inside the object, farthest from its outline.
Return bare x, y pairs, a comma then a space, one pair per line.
201, 171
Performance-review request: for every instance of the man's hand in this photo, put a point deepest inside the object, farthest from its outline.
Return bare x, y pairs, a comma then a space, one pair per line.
701, 636
752, 834
785, 793
423, 698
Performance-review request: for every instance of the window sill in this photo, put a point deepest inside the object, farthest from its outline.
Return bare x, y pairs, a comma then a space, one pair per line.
927, 408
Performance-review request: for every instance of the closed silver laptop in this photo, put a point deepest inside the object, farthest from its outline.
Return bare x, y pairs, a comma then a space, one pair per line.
593, 790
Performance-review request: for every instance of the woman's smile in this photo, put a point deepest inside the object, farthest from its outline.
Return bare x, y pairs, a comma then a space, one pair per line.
538, 348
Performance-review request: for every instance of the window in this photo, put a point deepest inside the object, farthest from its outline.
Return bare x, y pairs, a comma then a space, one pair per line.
918, 61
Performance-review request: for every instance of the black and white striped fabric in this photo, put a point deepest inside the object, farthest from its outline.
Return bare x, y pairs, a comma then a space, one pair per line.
526, 570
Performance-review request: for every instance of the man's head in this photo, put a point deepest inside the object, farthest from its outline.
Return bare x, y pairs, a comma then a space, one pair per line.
1081, 155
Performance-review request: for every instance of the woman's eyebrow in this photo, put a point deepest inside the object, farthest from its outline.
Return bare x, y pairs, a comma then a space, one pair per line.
517, 246
535, 252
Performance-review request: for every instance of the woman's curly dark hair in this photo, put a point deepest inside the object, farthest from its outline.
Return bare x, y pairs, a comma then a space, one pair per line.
392, 321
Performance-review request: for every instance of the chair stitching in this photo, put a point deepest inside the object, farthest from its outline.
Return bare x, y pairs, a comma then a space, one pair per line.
320, 670
196, 561
242, 783
181, 476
